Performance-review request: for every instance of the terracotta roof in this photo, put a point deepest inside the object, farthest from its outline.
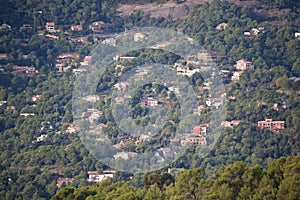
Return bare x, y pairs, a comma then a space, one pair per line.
76, 28
68, 55
50, 24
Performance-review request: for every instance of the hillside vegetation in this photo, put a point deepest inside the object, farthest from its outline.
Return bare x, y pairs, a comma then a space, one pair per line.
236, 181
36, 109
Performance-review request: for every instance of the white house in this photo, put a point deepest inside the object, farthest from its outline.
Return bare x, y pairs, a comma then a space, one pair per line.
41, 137
92, 98
236, 76
174, 89
96, 177
26, 114
124, 155
185, 70
140, 36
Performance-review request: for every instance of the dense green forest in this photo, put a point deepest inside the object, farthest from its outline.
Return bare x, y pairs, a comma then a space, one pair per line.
30, 168
280, 180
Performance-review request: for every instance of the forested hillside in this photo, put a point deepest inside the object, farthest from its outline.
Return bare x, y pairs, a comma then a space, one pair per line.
40, 146
236, 181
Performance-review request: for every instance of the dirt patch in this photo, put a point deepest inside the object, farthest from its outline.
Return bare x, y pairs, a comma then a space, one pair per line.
265, 13
183, 9
164, 10
251, 3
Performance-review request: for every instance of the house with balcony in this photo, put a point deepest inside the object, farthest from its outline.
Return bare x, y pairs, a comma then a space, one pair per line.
149, 102
194, 141
270, 124
24, 70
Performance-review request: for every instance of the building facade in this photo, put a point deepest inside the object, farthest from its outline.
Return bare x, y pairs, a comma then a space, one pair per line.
270, 124
244, 65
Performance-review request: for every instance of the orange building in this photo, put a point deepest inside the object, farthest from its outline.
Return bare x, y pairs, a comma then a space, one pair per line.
201, 129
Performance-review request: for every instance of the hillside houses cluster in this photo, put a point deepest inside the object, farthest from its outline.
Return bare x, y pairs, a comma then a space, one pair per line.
93, 177
49, 27
65, 61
